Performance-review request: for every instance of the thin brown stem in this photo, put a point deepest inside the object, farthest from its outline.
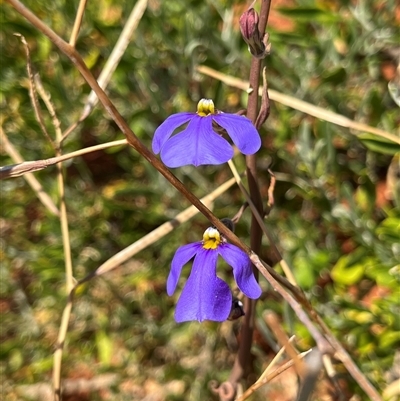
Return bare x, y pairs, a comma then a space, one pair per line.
345, 358
29, 177
63, 221
77, 23
271, 319
26, 167
269, 377
32, 92
116, 54
112, 62
246, 332
320, 340
61, 188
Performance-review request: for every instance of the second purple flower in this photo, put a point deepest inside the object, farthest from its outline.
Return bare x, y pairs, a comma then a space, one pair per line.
205, 296
199, 143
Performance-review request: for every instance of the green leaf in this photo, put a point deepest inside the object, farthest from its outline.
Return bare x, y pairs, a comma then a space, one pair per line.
104, 347
380, 273
307, 13
379, 144
389, 339
335, 76
389, 229
349, 268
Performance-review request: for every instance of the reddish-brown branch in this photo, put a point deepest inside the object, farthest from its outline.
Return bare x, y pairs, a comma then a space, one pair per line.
243, 356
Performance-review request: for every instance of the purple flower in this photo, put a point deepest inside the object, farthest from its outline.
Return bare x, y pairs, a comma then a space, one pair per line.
199, 143
205, 296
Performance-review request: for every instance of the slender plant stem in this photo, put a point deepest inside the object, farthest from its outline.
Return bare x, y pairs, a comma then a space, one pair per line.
273, 322
57, 358
247, 328
267, 378
26, 167
33, 94
274, 361
29, 177
345, 358
77, 23
61, 187
320, 340
116, 54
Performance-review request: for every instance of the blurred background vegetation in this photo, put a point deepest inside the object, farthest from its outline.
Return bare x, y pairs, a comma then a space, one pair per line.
336, 217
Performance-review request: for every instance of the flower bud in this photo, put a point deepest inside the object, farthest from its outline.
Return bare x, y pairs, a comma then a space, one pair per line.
248, 23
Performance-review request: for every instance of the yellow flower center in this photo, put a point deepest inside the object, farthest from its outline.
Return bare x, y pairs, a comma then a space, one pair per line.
211, 238
205, 107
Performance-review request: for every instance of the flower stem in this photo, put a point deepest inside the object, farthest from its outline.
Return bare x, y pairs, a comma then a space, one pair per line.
243, 356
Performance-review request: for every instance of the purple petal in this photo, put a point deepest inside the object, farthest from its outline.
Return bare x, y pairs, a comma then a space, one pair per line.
242, 131
205, 296
197, 144
165, 130
242, 269
181, 257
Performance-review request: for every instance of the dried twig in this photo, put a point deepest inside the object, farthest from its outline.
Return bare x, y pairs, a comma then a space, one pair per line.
63, 217
29, 177
266, 379
78, 22
32, 92
115, 56
112, 61
392, 391
61, 190
273, 323
26, 167
265, 106
271, 189
344, 357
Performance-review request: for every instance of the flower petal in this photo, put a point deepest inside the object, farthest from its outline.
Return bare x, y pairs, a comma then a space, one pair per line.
165, 130
242, 269
181, 257
242, 131
205, 296
198, 144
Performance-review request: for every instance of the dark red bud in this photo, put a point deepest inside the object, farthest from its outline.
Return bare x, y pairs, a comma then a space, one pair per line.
248, 23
